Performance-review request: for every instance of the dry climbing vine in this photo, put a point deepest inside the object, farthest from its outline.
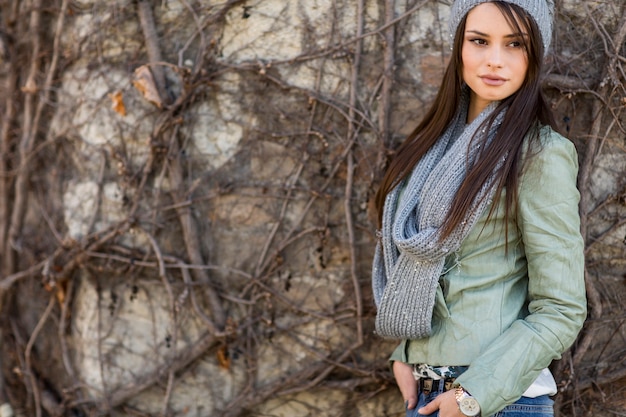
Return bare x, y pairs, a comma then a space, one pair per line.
318, 217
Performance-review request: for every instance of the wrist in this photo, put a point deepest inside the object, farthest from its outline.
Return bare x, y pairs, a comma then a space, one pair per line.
468, 405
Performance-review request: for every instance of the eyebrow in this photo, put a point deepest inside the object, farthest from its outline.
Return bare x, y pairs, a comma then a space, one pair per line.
512, 35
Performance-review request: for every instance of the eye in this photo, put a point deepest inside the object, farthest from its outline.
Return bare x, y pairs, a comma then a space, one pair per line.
516, 44
478, 41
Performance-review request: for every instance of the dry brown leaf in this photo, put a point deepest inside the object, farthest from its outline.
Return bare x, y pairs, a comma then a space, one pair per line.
118, 103
30, 87
60, 295
222, 357
145, 84
61, 291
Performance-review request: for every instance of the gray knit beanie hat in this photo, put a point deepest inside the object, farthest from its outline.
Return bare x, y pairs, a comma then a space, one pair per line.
542, 11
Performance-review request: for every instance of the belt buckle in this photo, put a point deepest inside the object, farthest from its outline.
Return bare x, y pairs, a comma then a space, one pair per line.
447, 385
426, 385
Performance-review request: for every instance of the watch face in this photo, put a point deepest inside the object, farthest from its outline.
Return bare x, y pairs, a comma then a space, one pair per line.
469, 406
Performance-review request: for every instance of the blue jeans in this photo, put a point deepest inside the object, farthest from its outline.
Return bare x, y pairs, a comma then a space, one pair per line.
524, 407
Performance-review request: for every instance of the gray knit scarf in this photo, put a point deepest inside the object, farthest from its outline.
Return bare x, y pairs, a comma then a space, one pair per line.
410, 255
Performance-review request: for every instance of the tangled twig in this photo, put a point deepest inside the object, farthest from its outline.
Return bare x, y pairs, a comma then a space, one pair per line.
316, 228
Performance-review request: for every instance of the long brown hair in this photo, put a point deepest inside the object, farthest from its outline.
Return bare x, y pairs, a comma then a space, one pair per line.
527, 109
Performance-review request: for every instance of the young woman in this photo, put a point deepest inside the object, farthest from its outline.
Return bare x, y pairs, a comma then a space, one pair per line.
479, 267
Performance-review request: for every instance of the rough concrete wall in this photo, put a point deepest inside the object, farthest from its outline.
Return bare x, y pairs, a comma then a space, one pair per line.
263, 141
213, 234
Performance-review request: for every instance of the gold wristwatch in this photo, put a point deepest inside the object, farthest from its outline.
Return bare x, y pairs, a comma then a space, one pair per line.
467, 404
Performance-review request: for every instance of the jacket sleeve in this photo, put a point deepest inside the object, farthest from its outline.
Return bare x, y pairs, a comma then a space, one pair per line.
548, 219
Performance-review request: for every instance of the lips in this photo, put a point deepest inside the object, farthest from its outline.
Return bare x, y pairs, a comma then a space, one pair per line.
493, 80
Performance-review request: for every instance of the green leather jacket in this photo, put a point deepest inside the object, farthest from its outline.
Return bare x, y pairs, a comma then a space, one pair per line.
508, 313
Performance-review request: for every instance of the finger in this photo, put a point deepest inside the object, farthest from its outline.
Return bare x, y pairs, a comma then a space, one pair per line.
406, 383
429, 408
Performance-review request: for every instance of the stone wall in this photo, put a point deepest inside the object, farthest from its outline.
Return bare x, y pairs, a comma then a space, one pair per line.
213, 229
262, 138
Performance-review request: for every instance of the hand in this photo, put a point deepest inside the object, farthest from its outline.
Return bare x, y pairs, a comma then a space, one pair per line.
403, 373
445, 403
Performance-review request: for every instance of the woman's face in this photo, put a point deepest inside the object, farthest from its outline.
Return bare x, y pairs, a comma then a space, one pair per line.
494, 59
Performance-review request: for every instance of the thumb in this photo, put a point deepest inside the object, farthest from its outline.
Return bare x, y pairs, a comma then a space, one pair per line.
411, 402
407, 383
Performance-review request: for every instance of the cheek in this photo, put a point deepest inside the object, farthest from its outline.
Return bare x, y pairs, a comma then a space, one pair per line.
467, 64
465, 58
471, 58
522, 70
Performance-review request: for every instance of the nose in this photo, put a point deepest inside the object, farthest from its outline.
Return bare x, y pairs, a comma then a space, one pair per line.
494, 57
